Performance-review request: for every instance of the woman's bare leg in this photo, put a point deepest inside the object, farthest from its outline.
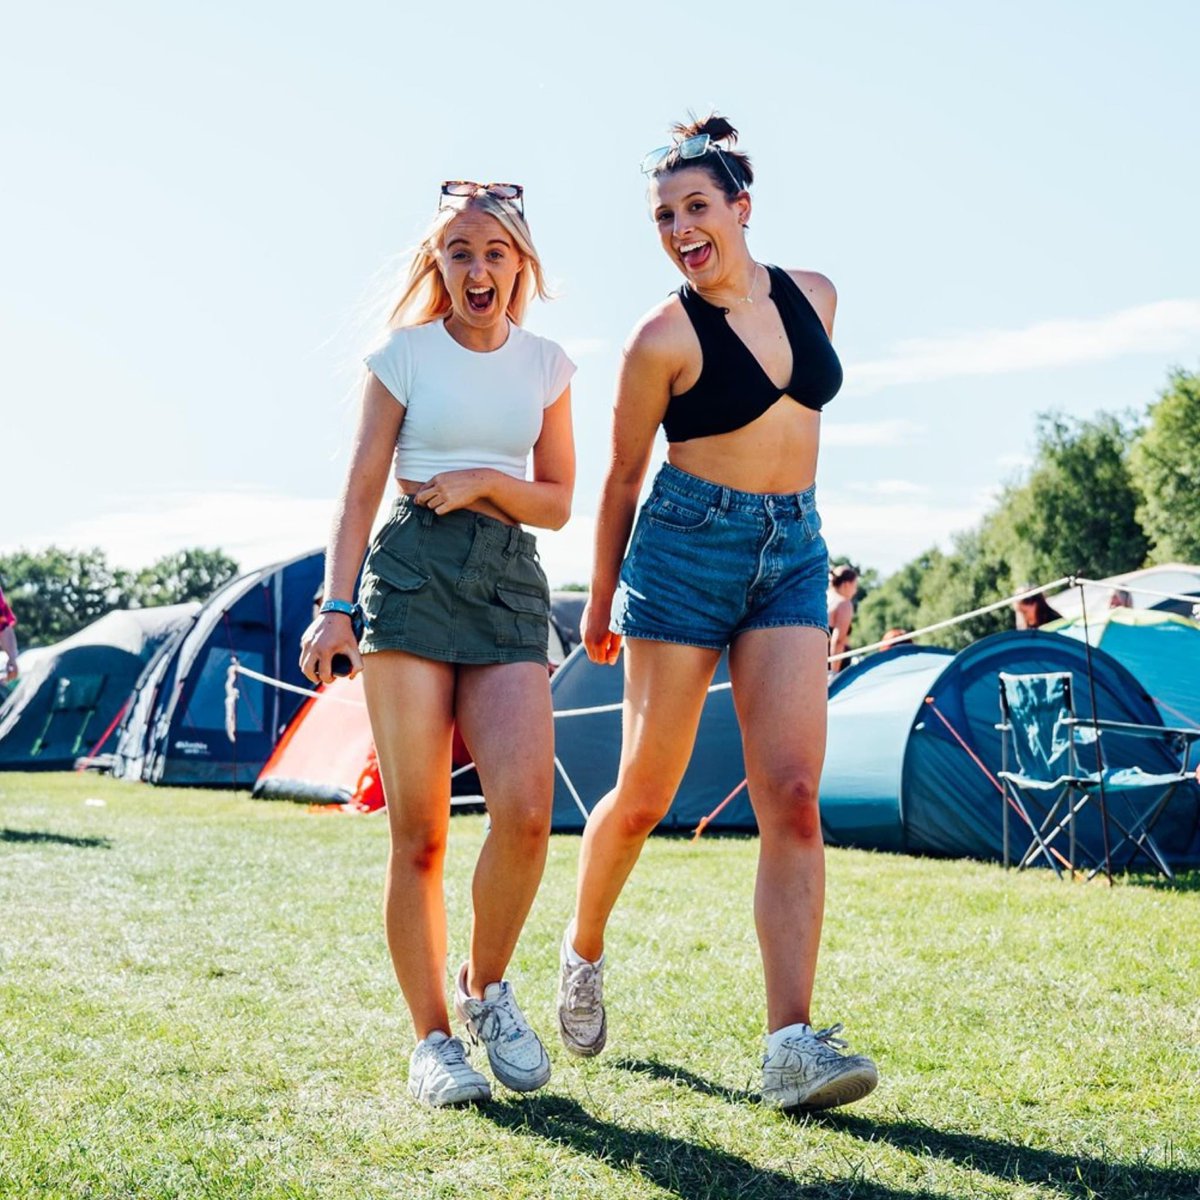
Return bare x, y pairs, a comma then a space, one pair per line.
505, 716
665, 687
779, 690
411, 702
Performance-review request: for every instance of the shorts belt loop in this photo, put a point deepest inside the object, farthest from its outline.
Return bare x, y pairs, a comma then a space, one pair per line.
425, 513
514, 541
723, 507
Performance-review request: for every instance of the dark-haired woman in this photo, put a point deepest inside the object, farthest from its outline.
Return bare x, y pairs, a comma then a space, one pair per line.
726, 552
456, 607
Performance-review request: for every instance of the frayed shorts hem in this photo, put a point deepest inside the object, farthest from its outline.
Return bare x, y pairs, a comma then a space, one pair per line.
454, 657
676, 640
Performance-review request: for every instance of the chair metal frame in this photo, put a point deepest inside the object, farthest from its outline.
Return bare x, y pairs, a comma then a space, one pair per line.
1077, 788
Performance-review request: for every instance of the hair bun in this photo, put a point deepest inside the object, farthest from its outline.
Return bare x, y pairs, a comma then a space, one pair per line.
717, 127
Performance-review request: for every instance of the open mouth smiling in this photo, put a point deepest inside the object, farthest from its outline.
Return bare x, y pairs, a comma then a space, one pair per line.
695, 254
479, 299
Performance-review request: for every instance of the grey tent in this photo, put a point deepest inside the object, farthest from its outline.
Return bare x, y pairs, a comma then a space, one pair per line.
69, 696
588, 746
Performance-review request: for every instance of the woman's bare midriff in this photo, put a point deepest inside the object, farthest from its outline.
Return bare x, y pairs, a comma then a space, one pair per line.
410, 487
776, 453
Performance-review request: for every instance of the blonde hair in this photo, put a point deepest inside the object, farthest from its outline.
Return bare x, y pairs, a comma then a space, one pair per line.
425, 298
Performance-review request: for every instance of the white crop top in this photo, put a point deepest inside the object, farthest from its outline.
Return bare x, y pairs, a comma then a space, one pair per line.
467, 408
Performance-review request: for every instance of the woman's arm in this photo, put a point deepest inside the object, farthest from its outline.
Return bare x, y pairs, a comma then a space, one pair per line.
839, 631
544, 501
374, 441
648, 368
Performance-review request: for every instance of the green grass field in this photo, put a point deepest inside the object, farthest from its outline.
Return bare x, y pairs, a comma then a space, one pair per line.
196, 1001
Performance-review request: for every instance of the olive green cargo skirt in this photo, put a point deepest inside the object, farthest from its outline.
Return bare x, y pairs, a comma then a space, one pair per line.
461, 588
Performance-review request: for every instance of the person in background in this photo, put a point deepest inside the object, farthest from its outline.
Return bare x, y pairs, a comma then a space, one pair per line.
1120, 598
8, 639
894, 637
726, 552
457, 399
1032, 612
839, 600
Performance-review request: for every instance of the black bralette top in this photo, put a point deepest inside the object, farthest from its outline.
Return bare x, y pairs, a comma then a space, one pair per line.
733, 389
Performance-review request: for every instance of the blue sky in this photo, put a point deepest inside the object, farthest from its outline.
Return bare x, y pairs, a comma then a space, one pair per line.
201, 202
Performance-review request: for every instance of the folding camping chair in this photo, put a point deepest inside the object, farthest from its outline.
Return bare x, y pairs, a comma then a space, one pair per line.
1045, 742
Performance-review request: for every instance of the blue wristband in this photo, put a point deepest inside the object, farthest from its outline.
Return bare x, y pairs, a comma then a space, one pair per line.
339, 606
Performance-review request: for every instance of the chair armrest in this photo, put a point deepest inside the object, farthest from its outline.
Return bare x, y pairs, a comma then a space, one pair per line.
1133, 729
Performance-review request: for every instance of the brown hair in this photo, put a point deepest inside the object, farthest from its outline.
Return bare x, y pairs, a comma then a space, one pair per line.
729, 169
842, 574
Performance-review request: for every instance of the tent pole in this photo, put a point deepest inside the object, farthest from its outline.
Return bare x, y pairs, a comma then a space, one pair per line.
1087, 648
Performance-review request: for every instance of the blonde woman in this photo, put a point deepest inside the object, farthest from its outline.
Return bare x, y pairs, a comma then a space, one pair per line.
455, 609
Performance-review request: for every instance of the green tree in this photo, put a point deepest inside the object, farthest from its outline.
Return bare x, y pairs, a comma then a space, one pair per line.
1165, 465
186, 575
1077, 511
57, 592
894, 603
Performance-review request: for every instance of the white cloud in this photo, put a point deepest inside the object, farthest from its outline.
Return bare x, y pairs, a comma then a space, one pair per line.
254, 527
856, 434
1161, 327
892, 487
888, 534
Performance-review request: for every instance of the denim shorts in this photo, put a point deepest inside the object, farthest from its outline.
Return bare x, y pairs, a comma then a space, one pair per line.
707, 563
460, 588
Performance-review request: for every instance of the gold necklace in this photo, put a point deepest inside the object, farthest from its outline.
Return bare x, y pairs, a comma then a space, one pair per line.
746, 299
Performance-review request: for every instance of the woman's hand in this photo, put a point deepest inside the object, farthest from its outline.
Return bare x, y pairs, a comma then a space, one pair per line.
451, 490
331, 633
601, 644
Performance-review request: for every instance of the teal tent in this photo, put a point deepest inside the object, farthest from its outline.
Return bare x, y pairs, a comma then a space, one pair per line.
913, 750
1161, 650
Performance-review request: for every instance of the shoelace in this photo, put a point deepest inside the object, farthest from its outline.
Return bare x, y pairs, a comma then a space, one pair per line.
501, 1021
828, 1037
453, 1056
583, 984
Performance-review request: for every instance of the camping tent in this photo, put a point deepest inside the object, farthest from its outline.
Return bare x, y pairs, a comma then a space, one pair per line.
1161, 650
588, 746
913, 750
69, 695
175, 731
1159, 583
325, 750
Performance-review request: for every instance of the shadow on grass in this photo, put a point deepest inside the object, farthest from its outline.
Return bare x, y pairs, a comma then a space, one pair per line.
1079, 1176
58, 839
674, 1074
683, 1168
1073, 1175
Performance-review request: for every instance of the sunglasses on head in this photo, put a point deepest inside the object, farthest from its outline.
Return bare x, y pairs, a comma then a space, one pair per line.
696, 146
458, 191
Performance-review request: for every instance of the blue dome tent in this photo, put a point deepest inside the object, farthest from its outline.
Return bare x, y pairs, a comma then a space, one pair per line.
913, 749
175, 731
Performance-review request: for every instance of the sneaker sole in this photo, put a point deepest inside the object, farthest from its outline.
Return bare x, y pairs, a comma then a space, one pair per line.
477, 1095
515, 1083
846, 1089
579, 1049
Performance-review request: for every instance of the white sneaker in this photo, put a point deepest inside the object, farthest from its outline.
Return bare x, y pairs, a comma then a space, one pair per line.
804, 1068
518, 1058
439, 1074
582, 1021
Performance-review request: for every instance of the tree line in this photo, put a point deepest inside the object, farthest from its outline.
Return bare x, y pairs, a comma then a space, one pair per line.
56, 592
1102, 496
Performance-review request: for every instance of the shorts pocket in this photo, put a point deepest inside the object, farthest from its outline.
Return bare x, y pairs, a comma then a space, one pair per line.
812, 524
388, 584
678, 515
521, 616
